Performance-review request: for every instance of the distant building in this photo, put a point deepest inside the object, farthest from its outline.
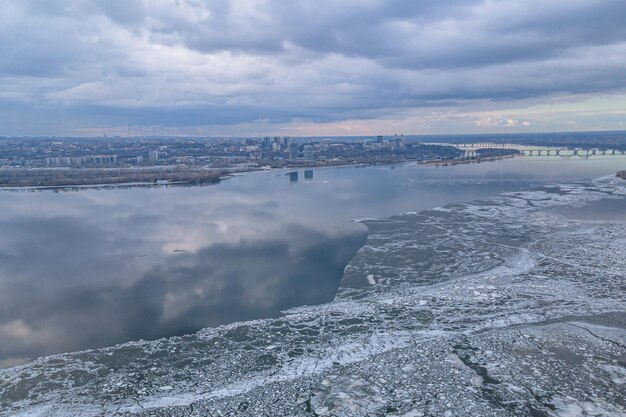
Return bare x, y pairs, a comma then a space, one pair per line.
153, 155
308, 153
103, 159
77, 161
293, 151
63, 161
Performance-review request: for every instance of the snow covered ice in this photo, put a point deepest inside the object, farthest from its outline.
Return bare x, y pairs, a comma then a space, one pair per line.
502, 307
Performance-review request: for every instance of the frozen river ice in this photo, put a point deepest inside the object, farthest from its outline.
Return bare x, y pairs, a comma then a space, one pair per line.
498, 307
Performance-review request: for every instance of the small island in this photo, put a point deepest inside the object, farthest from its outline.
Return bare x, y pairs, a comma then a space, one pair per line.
621, 174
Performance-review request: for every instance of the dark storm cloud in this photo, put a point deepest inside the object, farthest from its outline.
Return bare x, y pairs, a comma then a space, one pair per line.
324, 26
429, 34
219, 62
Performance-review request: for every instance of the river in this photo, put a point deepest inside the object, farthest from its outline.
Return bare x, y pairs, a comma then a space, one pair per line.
92, 268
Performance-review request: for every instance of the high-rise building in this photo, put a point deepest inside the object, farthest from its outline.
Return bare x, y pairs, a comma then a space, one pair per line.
153, 155
103, 159
308, 153
293, 150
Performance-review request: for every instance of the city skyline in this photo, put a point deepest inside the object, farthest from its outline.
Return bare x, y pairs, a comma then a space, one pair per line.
252, 68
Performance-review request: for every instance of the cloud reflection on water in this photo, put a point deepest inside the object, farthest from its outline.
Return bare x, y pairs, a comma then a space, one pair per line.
77, 286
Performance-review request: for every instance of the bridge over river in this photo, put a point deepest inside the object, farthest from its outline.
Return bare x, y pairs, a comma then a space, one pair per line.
471, 150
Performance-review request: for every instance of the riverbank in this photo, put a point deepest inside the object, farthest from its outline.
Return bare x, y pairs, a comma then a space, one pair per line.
13, 179
44, 178
63, 178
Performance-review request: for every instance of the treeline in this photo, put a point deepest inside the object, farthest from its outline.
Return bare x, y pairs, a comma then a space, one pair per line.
621, 174
18, 177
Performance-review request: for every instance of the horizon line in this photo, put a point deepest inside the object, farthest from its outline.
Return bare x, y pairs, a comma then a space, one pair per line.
322, 136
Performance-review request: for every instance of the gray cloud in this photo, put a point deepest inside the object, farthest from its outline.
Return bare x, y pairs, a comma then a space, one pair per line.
200, 62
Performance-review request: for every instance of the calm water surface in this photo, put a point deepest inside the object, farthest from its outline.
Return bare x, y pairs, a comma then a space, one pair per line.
90, 268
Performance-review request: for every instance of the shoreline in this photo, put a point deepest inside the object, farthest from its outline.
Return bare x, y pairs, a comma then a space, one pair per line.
110, 186
160, 177
71, 178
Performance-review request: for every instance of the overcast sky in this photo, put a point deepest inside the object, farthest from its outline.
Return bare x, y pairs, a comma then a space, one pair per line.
314, 67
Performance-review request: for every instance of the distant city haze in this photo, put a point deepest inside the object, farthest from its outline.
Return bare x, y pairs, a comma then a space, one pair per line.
340, 67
